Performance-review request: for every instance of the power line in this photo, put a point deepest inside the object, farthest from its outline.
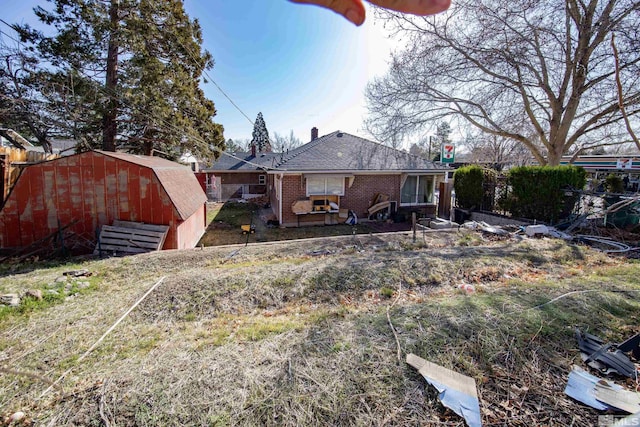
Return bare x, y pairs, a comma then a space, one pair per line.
227, 96
206, 74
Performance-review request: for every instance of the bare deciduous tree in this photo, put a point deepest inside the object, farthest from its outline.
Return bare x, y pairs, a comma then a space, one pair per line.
282, 144
537, 72
496, 151
40, 104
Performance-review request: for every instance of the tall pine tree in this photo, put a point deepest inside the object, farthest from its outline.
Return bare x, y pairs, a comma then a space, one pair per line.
148, 56
260, 135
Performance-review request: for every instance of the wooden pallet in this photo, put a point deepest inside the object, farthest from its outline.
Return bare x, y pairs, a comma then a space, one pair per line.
127, 237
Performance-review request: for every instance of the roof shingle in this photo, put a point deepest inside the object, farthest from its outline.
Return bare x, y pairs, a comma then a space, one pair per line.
244, 161
339, 151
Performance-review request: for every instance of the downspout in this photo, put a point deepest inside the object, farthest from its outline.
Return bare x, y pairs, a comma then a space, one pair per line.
280, 198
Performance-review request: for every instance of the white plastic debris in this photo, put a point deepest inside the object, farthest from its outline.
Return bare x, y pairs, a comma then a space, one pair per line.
536, 230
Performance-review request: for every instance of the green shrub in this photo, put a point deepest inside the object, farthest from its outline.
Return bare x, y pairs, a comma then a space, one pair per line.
475, 187
468, 186
614, 184
543, 192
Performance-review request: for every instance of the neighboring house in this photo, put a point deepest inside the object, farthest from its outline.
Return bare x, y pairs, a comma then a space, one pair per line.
237, 175
191, 161
321, 181
85, 191
11, 138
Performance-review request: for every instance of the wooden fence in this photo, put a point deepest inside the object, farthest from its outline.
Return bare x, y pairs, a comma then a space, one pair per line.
12, 160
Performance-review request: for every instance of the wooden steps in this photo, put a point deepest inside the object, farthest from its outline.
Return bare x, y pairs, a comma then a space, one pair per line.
127, 237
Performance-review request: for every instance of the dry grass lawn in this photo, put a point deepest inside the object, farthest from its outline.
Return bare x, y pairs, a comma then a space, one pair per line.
300, 333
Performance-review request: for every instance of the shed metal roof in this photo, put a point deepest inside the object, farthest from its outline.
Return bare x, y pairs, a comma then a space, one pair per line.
179, 182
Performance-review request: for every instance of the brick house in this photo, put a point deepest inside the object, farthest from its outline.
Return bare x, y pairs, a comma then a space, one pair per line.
237, 175
321, 181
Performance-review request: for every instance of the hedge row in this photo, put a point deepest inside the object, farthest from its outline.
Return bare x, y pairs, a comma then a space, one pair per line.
534, 192
543, 192
468, 183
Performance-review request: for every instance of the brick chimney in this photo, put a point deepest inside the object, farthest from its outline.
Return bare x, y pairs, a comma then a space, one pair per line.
253, 150
314, 133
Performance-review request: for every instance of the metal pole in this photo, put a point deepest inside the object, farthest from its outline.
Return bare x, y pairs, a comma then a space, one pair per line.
413, 221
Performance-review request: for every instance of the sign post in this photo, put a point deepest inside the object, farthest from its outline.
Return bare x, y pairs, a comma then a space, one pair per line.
447, 153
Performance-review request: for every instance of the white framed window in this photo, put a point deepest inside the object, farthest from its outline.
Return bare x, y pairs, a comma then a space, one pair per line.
417, 190
262, 179
318, 185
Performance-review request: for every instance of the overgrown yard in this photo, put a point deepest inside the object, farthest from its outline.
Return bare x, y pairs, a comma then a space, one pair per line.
308, 332
225, 219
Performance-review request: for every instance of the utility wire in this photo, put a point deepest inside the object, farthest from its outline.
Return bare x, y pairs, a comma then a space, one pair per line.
226, 96
198, 63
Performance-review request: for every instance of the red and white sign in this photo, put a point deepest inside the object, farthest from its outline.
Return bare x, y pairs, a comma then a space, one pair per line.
624, 164
448, 153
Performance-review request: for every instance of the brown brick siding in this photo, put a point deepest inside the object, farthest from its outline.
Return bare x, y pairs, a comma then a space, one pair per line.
357, 198
293, 188
360, 196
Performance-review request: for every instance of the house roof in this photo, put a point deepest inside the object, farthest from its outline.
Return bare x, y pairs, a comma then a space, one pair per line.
244, 162
338, 152
178, 181
342, 152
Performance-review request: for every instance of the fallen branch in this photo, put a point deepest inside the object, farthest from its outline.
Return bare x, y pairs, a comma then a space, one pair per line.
38, 244
105, 419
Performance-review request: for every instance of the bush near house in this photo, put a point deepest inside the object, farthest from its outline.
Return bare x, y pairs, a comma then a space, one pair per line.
475, 187
543, 192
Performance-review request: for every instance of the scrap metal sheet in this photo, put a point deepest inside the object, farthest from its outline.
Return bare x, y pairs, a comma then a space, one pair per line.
457, 391
582, 387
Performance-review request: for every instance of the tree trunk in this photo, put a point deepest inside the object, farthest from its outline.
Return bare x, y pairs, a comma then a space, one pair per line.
555, 154
110, 125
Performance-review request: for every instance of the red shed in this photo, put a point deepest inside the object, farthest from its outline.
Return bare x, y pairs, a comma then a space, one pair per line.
95, 188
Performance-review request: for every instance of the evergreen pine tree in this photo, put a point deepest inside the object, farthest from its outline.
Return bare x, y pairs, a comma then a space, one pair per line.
152, 90
260, 135
443, 133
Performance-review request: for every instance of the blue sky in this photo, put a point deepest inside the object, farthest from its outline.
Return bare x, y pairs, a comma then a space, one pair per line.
301, 66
